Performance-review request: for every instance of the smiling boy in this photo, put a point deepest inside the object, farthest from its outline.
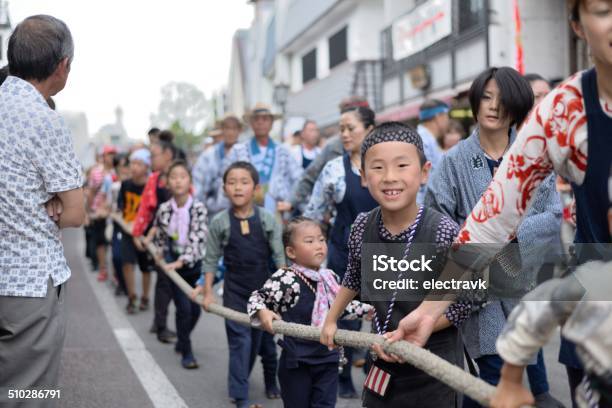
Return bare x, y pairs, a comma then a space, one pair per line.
394, 167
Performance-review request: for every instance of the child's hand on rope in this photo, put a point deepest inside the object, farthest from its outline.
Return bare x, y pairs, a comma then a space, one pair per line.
415, 328
388, 357
510, 392
209, 299
328, 331
266, 317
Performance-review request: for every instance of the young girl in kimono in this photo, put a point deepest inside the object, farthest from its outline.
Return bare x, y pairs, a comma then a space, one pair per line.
180, 230
500, 99
303, 293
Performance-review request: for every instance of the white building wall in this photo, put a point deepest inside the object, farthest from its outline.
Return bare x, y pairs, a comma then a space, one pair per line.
322, 58
544, 36
260, 89
396, 8
296, 72
282, 62
501, 33
364, 24
364, 30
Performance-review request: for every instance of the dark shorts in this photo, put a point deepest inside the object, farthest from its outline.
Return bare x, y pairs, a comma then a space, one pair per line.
131, 255
97, 228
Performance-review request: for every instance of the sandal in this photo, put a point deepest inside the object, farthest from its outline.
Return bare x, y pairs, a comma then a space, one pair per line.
144, 304
131, 306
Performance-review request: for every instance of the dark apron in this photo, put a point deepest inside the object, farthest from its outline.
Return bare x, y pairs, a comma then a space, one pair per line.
305, 162
247, 262
304, 351
592, 200
357, 199
409, 386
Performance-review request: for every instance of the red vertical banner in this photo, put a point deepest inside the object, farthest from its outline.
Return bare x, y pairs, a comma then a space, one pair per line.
520, 63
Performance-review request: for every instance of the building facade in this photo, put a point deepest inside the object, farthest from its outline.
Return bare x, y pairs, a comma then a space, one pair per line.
395, 53
330, 50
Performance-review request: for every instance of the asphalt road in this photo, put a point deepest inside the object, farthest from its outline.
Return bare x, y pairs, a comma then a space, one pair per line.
111, 360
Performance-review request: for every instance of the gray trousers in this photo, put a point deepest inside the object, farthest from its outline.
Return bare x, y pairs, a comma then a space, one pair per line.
32, 332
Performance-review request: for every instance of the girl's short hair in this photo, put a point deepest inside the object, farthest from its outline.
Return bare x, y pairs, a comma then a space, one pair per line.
293, 225
515, 93
179, 163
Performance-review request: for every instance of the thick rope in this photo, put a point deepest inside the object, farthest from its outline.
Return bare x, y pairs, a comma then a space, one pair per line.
430, 363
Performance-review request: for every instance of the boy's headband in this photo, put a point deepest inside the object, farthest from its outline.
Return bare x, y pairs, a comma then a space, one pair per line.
401, 133
429, 113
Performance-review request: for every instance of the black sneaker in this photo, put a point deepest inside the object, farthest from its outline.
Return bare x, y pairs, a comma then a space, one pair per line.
189, 362
166, 336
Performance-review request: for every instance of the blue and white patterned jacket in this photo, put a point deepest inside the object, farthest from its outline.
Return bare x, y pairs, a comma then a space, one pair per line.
454, 189
285, 171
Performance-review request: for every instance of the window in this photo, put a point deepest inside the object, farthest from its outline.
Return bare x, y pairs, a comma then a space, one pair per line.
471, 13
309, 66
337, 48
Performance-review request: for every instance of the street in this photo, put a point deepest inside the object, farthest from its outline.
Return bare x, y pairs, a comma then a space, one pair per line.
111, 360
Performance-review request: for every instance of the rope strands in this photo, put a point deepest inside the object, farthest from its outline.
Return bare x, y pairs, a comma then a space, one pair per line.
430, 363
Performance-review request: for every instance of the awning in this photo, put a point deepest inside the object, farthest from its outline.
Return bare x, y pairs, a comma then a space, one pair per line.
410, 109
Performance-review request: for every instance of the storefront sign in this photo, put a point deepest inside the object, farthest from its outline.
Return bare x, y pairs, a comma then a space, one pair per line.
422, 27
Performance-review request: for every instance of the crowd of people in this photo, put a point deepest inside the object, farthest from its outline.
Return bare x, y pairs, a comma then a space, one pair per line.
279, 229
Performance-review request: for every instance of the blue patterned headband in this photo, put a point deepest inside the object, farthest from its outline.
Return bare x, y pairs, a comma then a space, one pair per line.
391, 132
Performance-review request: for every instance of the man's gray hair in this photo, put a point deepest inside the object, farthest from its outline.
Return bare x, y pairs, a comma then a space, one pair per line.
37, 46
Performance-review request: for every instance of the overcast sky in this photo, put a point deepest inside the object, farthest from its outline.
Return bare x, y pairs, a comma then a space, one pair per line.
125, 51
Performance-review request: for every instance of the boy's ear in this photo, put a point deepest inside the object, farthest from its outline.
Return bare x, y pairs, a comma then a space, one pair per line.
364, 183
577, 27
425, 172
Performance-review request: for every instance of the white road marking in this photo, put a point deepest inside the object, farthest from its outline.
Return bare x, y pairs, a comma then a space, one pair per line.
153, 379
